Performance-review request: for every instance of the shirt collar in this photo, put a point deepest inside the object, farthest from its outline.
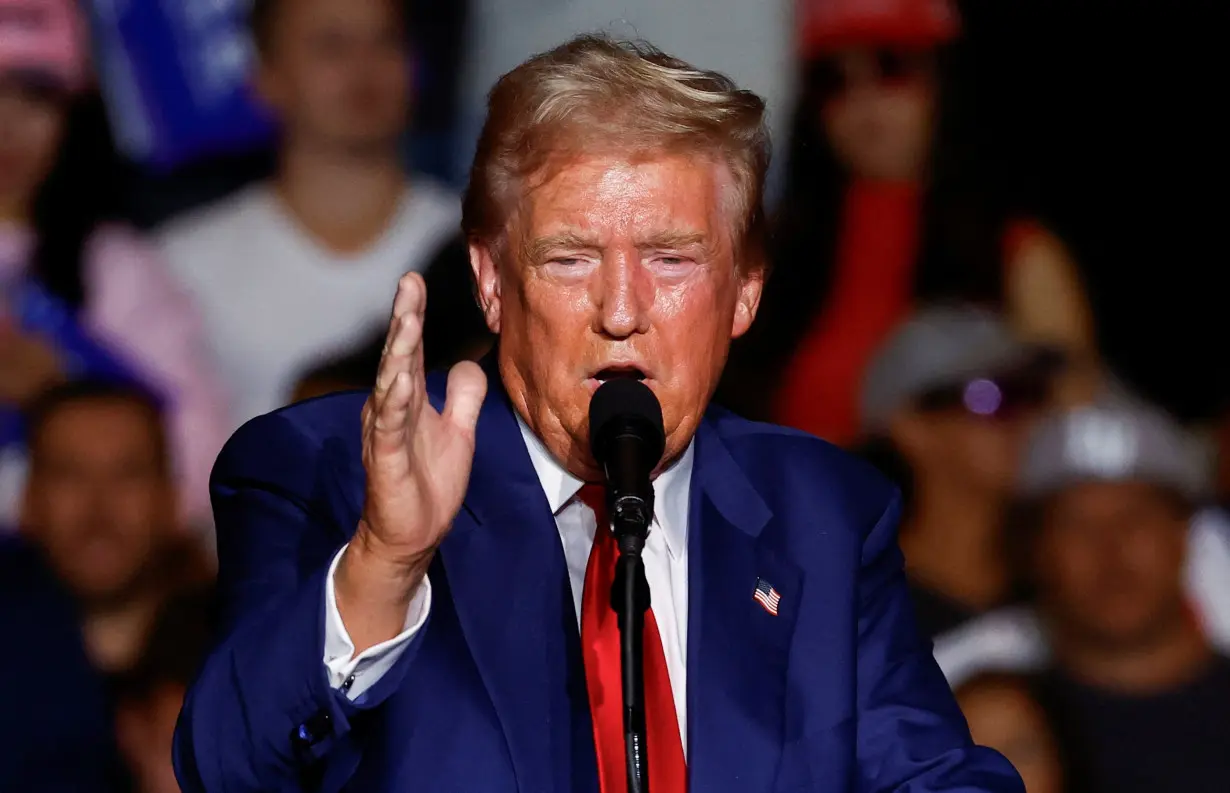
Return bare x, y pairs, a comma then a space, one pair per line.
670, 489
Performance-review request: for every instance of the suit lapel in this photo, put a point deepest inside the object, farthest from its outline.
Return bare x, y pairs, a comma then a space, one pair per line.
737, 650
507, 575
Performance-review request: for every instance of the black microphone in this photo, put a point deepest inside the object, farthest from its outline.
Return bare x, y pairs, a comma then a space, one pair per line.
627, 439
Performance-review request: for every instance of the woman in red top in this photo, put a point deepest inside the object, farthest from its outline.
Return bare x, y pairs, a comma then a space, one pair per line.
882, 211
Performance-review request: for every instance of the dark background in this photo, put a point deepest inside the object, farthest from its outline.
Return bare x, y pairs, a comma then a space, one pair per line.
1110, 116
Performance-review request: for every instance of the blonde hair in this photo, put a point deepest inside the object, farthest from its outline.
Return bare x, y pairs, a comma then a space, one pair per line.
596, 91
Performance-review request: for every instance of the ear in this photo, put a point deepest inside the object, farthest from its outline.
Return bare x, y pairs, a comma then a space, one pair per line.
487, 280
751, 286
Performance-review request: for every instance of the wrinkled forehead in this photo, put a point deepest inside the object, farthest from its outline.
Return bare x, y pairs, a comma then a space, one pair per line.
619, 198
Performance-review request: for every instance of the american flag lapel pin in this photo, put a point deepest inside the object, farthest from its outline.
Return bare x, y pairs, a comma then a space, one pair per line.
767, 596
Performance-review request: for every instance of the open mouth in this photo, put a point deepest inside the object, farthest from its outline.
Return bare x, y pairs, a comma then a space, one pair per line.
629, 372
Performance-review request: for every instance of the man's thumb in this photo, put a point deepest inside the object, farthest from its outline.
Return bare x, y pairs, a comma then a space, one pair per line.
467, 385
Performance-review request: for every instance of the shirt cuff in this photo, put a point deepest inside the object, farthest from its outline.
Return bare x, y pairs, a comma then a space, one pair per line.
353, 674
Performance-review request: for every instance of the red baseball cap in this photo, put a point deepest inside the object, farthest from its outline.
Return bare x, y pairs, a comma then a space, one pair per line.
45, 39
827, 25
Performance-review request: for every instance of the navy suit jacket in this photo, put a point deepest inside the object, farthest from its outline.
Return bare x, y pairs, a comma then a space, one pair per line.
837, 692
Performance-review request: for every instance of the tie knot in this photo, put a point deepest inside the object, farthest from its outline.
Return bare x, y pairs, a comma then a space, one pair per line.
594, 497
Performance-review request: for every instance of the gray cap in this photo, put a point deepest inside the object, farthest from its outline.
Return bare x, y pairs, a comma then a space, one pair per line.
1117, 440
938, 347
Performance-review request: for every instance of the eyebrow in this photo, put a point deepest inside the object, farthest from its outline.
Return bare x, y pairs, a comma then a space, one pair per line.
674, 240
570, 240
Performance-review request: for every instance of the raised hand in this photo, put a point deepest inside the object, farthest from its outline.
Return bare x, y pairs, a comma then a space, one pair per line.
418, 464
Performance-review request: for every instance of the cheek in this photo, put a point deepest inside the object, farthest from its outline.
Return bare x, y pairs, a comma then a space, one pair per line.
1079, 565
561, 312
63, 501
142, 500
546, 328
838, 121
993, 444
316, 85
135, 506
395, 77
906, 111
1155, 549
1062, 564
697, 319
43, 138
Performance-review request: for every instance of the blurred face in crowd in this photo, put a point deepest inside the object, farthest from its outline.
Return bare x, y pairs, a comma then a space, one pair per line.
876, 108
98, 498
1109, 561
1003, 716
959, 436
31, 128
337, 73
617, 268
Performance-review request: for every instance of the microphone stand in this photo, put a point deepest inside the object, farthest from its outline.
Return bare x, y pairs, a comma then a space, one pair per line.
630, 600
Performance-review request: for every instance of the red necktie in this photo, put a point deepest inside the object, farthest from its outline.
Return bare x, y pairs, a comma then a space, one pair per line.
668, 770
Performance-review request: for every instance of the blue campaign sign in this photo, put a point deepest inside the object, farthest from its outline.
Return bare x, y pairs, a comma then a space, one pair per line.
176, 78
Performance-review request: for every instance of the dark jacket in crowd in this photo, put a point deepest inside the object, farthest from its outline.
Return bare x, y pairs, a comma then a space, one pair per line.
56, 730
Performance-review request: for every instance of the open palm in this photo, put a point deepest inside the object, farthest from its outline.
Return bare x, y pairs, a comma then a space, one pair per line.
418, 460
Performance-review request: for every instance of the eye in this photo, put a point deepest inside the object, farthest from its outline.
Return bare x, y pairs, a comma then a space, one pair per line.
671, 262
566, 261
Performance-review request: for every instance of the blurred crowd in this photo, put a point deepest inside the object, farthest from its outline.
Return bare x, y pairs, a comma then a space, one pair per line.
1063, 535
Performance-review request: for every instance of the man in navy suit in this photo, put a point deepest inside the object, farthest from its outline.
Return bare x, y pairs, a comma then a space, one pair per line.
415, 582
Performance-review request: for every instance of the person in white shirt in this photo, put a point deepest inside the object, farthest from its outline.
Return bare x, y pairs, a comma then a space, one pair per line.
298, 269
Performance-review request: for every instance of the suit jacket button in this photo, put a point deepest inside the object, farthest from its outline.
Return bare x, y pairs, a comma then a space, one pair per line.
312, 731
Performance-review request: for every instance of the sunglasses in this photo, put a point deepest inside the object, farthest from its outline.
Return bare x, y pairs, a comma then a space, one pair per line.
1001, 398
831, 77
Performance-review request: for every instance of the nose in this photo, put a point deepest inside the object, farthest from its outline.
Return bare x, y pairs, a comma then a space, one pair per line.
623, 293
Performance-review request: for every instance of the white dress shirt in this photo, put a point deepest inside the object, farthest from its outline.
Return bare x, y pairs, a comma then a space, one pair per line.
666, 568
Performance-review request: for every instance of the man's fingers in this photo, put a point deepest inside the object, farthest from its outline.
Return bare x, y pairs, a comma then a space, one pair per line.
400, 340
390, 421
400, 386
401, 353
411, 295
467, 386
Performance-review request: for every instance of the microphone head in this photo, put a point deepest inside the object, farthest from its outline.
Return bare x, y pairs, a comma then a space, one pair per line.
625, 407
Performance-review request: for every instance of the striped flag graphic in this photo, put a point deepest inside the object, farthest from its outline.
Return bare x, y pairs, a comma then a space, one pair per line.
767, 596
